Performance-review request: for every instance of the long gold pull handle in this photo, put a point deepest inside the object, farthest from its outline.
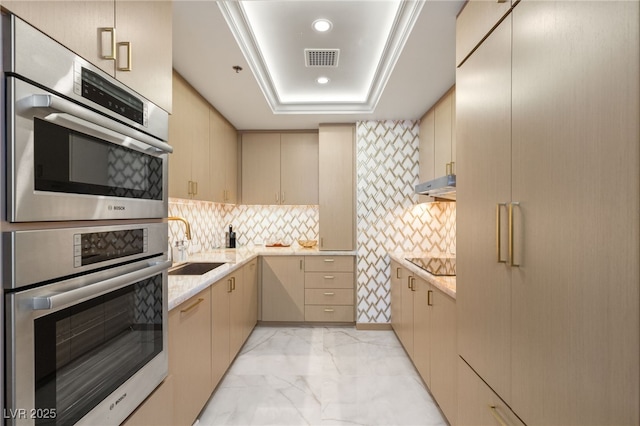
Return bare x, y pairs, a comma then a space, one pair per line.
127, 45
398, 273
499, 232
447, 169
321, 241
453, 167
283, 194
277, 198
497, 416
501, 1
329, 260
196, 303
230, 286
112, 32
301, 264
329, 294
430, 298
189, 188
511, 259
411, 282
329, 277
328, 310
233, 280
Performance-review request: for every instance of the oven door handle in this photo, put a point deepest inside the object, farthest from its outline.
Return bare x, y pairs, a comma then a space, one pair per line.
94, 119
96, 289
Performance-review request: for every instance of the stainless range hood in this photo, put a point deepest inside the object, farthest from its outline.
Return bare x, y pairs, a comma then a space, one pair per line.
442, 187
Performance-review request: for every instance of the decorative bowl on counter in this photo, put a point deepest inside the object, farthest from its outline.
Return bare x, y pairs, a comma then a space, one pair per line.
307, 243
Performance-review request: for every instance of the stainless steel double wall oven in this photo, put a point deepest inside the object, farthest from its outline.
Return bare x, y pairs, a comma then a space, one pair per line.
84, 243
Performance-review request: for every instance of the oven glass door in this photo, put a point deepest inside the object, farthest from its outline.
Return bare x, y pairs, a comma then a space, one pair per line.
73, 162
85, 352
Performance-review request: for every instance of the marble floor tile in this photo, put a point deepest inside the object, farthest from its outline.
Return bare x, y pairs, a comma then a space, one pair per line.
321, 376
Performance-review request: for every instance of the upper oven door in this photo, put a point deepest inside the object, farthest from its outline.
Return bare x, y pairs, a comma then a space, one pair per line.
67, 162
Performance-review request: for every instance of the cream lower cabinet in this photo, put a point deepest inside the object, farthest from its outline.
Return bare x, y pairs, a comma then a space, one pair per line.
480, 406
234, 301
426, 327
81, 25
329, 289
190, 357
548, 148
157, 409
336, 182
283, 288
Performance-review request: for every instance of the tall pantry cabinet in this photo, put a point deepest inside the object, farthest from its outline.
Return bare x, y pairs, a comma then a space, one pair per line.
548, 285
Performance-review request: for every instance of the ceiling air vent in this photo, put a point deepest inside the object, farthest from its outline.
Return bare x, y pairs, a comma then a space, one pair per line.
321, 57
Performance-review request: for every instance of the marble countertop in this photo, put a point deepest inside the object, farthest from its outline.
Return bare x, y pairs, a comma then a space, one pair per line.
183, 287
445, 284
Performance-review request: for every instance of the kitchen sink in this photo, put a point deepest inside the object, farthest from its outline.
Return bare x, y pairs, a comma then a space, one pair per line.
195, 268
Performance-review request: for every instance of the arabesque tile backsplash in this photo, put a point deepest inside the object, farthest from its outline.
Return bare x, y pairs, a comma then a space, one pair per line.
388, 216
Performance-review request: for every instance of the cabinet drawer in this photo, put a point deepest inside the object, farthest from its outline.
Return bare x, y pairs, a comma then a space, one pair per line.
328, 296
328, 280
329, 263
478, 404
328, 313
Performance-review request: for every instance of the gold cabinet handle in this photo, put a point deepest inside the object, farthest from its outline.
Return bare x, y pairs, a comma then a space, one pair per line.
233, 281
329, 277
112, 31
328, 310
398, 273
329, 294
329, 260
192, 306
283, 194
430, 298
321, 241
501, 1
511, 250
301, 264
230, 286
411, 283
494, 412
448, 168
499, 232
277, 198
127, 45
195, 188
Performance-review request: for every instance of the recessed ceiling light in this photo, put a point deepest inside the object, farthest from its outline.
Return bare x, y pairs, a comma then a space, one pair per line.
322, 80
322, 25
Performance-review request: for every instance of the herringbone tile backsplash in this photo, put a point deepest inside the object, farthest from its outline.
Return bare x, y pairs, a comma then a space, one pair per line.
388, 218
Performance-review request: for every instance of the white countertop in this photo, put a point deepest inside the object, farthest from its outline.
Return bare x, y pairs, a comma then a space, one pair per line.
183, 287
445, 284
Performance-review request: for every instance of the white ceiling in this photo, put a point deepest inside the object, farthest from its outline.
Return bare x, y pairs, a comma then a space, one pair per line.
205, 51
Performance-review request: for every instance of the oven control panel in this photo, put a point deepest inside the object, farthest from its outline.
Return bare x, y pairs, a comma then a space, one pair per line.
96, 247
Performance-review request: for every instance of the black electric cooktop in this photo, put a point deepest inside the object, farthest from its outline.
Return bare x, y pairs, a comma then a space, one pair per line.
438, 266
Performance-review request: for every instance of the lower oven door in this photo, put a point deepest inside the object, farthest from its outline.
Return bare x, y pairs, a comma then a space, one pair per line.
87, 350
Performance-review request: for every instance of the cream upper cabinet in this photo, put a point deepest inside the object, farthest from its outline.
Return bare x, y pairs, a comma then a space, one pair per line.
223, 168
336, 194
125, 31
549, 154
479, 17
280, 168
189, 135
299, 168
437, 151
144, 46
261, 168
